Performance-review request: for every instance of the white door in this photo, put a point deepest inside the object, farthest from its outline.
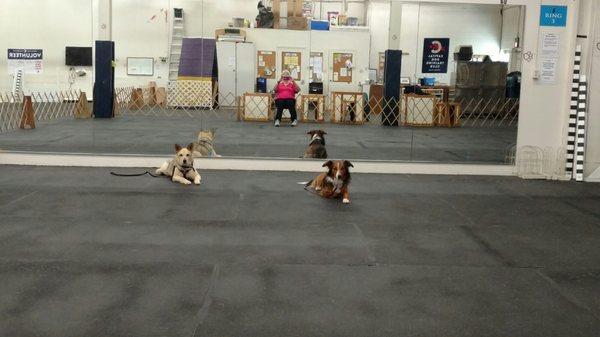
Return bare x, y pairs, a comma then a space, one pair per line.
227, 64
245, 68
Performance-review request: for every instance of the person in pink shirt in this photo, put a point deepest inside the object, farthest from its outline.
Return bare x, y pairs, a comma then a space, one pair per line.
285, 97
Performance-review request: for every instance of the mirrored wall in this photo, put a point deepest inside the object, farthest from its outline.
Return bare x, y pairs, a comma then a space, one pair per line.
383, 80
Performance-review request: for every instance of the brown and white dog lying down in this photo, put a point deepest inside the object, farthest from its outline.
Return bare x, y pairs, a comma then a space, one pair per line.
316, 145
333, 183
181, 168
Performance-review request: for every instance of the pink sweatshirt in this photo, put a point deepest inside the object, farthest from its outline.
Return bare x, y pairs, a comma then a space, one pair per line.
286, 91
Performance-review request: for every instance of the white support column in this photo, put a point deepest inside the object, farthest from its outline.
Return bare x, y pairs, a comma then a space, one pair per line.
395, 25
591, 28
544, 106
104, 23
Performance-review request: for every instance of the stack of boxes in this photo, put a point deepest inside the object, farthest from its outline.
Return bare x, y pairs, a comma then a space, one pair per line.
295, 18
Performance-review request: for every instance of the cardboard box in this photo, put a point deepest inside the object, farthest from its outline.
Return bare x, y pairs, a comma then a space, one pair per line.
297, 23
342, 20
294, 8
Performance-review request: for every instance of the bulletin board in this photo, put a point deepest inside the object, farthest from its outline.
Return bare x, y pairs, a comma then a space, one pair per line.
316, 66
292, 61
140, 66
340, 72
266, 64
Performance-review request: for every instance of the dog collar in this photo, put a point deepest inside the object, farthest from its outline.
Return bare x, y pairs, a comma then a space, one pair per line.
314, 139
183, 169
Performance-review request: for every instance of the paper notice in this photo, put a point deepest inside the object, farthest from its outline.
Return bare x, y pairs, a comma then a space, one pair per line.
550, 45
294, 73
343, 72
335, 76
548, 70
318, 65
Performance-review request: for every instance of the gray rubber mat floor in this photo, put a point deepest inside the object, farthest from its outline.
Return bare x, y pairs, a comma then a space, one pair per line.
84, 253
156, 135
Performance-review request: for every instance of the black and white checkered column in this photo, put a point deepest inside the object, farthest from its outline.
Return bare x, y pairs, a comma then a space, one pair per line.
573, 114
580, 140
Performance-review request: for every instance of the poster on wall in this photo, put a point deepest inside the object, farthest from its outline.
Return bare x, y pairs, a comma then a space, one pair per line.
30, 60
435, 55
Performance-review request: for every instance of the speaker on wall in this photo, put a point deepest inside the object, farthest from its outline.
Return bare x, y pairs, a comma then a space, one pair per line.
391, 87
104, 85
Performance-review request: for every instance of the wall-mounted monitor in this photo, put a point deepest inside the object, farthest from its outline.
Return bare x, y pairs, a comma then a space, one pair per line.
78, 56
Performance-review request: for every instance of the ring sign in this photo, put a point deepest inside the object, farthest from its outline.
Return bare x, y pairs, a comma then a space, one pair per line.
553, 16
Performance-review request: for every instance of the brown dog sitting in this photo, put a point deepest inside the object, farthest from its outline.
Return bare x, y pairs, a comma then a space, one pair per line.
316, 146
333, 183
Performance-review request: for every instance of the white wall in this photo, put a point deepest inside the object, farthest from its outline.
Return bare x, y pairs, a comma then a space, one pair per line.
59, 23
50, 25
135, 35
378, 17
326, 42
590, 27
512, 30
465, 24
356, 8
512, 26
279, 40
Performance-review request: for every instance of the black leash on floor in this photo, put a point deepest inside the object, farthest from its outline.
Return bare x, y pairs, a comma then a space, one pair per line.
307, 186
134, 174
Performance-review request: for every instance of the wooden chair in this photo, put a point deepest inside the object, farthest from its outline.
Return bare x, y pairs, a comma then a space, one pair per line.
257, 107
447, 114
306, 100
347, 107
455, 113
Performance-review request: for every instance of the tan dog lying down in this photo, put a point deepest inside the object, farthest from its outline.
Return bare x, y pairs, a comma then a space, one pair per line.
204, 146
181, 168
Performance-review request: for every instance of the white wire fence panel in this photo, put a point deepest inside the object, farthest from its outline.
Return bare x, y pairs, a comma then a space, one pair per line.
11, 108
200, 99
47, 105
53, 105
194, 99
489, 111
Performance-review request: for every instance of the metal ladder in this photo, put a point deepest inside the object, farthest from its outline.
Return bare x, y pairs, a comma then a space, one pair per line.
17, 87
176, 43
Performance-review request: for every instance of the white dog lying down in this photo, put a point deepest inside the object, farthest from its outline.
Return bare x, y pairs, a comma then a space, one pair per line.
181, 168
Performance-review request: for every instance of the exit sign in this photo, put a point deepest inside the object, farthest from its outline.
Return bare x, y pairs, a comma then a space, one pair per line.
555, 16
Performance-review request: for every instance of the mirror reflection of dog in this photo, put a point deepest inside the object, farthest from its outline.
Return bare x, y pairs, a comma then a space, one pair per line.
333, 183
181, 168
316, 146
204, 146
